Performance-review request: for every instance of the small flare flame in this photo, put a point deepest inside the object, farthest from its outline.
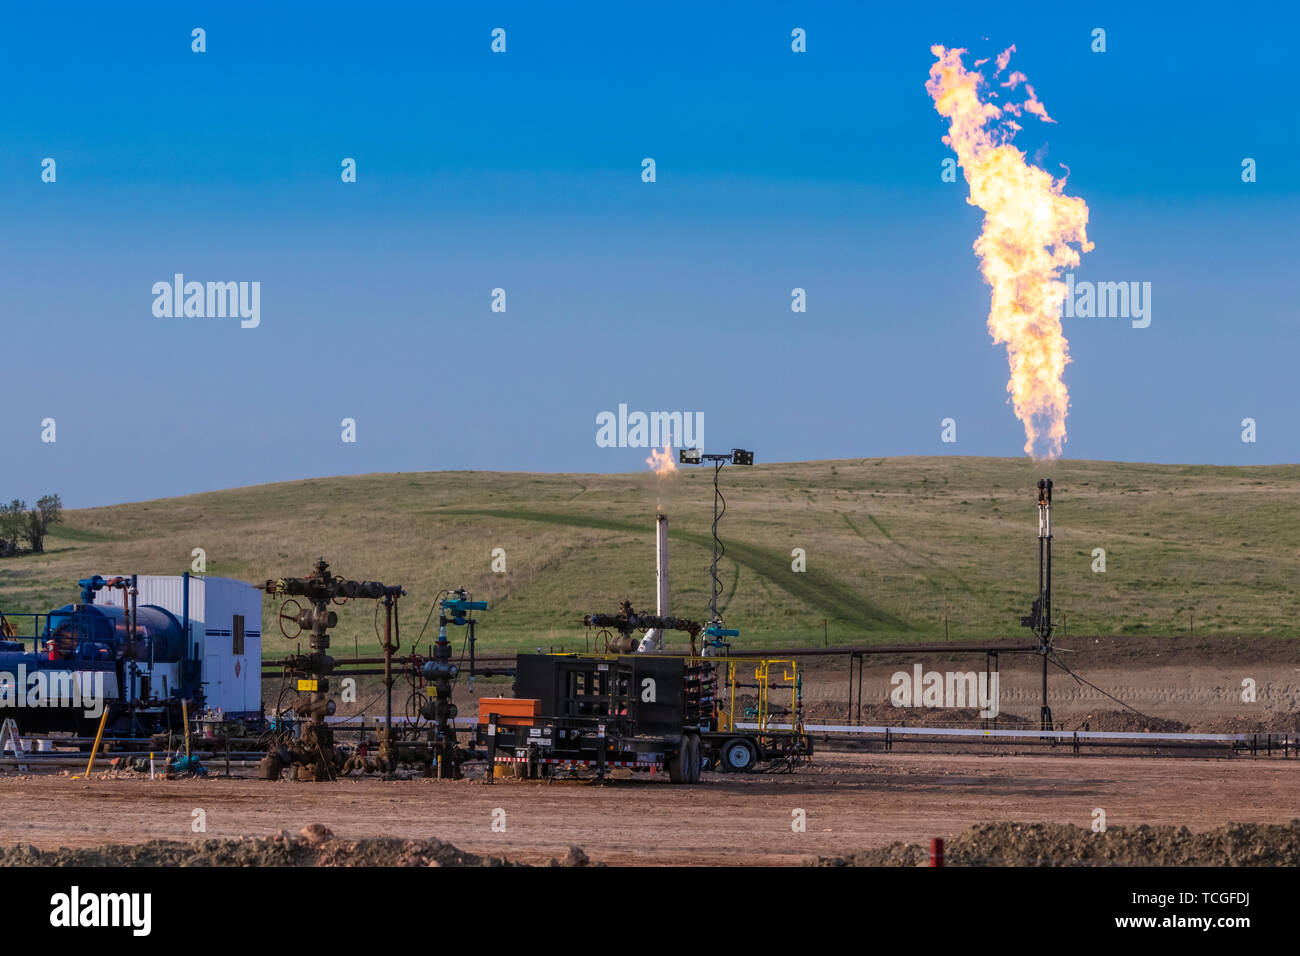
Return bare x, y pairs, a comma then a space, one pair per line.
1029, 224
661, 462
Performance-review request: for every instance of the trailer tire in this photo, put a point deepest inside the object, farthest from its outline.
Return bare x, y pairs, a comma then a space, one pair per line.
675, 768
678, 763
739, 755
692, 758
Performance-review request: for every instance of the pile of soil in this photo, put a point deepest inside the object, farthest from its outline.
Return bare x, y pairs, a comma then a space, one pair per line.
315, 847
1273, 722
887, 715
1056, 844
1122, 721
1116, 720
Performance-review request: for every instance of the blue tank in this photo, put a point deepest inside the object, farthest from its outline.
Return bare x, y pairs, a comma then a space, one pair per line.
98, 632
91, 654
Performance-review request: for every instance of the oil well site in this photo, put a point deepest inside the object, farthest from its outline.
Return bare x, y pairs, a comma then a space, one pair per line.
360, 368
686, 670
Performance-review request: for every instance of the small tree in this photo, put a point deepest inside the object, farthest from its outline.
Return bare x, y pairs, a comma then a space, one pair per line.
48, 511
13, 521
51, 509
35, 533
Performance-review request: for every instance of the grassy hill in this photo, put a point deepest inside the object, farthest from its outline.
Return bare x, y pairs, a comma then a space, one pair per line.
894, 547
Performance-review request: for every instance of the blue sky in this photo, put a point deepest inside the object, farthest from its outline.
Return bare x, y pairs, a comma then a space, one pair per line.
522, 170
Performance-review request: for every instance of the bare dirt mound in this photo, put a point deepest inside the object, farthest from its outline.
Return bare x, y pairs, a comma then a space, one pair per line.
316, 847
1054, 844
1273, 722
1123, 721
887, 715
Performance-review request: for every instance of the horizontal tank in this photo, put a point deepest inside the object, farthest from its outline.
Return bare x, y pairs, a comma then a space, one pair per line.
98, 632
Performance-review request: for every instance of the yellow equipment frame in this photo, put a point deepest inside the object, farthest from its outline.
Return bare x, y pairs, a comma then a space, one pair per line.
766, 686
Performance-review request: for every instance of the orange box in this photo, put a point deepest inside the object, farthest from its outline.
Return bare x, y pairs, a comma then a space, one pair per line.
510, 711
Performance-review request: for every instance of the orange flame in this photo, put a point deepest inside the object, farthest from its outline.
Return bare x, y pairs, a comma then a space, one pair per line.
1029, 224
661, 462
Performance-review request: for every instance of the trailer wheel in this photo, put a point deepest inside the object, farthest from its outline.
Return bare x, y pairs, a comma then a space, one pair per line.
739, 755
675, 766
685, 765
693, 758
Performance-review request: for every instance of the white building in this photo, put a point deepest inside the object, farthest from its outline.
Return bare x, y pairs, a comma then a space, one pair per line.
225, 634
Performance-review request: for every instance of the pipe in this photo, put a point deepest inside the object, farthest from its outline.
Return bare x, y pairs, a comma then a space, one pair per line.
134, 691
388, 671
185, 610
95, 749
661, 564
60, 760
654, 638
135, 606
271, 669
1044, 623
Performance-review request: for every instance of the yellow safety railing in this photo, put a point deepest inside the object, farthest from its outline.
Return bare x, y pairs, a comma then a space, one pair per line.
768, 690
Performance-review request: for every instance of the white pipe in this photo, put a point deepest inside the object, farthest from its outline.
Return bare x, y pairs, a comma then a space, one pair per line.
653, 640
1023, 734
661, 563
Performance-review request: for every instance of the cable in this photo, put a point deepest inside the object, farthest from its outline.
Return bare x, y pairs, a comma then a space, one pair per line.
1081, 680
720, 550
436, 599
361, 713
279, 700
464, 647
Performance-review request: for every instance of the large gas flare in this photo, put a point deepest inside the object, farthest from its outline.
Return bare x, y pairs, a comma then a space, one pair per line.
1029, 224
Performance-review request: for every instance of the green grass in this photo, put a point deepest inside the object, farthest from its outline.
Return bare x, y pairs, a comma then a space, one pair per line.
894, 547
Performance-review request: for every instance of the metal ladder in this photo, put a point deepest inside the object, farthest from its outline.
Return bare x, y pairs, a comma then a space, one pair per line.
9, 740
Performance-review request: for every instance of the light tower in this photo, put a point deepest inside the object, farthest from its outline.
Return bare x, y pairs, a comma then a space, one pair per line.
716, 631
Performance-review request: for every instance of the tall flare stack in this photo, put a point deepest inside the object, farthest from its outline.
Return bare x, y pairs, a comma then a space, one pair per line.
653, 640
661, 564
1040, 618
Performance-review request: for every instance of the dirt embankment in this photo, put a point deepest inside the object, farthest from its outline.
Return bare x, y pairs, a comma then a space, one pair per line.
993, 844
1056, 844
1120, 721
315, 846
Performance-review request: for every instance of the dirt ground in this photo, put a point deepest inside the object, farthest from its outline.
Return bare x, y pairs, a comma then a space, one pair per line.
856, 804
850, 802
